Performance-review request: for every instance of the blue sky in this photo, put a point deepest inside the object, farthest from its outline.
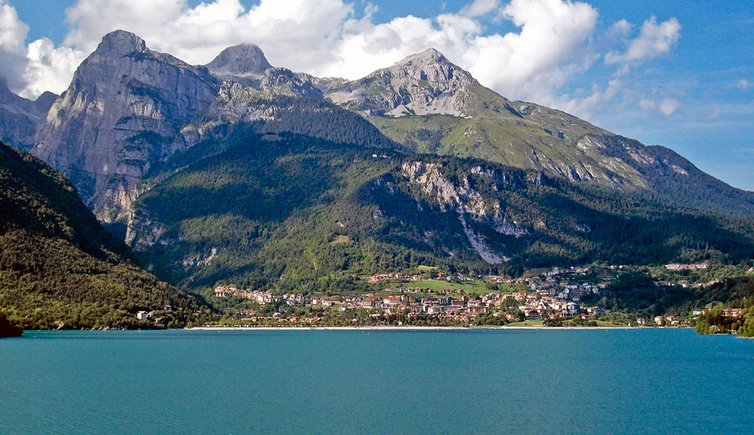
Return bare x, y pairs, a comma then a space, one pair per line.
694, 94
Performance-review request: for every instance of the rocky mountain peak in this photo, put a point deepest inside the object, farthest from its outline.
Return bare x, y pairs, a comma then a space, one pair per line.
45, 101
428, 66
427, 57
120, 43
240, 60
421, 84
120, 117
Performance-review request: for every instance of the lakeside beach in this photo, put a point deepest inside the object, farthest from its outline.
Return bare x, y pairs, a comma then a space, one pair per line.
404, 328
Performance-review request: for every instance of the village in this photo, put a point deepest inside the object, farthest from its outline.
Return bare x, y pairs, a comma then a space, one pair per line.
447, 299
545, 297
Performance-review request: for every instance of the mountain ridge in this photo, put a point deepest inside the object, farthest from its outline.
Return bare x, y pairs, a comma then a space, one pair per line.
312, 215
424, 103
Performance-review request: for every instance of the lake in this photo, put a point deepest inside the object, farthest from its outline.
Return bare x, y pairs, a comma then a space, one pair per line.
464, 381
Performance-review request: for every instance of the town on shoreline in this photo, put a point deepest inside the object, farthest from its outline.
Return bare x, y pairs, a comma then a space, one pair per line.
555, 297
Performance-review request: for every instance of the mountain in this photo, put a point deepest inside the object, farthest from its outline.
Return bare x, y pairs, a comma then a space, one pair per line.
129, 109
425, 83
60, 268
293, 213
243, 170
427, 104
430, 105
238, 61
121, 116
20, 119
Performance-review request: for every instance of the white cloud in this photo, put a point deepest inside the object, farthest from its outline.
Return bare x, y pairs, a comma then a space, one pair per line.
12, 50
653, 40
48, 67
552, 43
293, 33
480, 8
647, 104
668, 106
621, 28
585, 106
743, 84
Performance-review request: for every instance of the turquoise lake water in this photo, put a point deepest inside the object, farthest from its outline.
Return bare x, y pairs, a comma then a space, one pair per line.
475, 381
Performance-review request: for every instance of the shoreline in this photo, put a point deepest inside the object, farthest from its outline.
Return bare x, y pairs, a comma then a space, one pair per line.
409, 328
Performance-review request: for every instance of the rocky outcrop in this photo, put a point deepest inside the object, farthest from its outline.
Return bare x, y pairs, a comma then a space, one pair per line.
466, 201
421, 84
240, 61
21, 118
120, 117
246, 65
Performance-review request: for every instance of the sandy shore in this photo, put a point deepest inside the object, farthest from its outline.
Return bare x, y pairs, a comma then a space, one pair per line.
404, 328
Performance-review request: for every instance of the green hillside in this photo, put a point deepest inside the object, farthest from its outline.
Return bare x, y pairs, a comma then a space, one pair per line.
529, 136
300, 214
60, 268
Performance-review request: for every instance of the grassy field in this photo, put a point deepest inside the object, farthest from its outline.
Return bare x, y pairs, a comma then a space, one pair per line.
528, 323
476, 287
340, 240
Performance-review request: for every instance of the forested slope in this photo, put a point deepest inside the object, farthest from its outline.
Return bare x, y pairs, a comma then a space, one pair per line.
60, 268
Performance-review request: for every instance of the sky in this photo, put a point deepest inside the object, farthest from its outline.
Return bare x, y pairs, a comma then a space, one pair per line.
679, 74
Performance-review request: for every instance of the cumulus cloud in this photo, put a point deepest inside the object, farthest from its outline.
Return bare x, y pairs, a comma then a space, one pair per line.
48, 67
654, 40
12, 50
550, 45
293, 33
586, 105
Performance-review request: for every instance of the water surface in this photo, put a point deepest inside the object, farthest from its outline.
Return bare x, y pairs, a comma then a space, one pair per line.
468, 381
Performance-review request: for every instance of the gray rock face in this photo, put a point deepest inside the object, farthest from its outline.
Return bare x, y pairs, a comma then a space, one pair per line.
462, 198
121, 116
422, 84
21, 118
282, 81
246, 65
241, 61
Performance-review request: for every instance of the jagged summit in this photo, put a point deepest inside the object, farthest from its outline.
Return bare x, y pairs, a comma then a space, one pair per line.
423, 83
240, 60
45, 100
121, 42
119, 117
427, 57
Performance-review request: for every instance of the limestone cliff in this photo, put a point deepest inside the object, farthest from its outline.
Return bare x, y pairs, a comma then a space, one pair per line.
121, 116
